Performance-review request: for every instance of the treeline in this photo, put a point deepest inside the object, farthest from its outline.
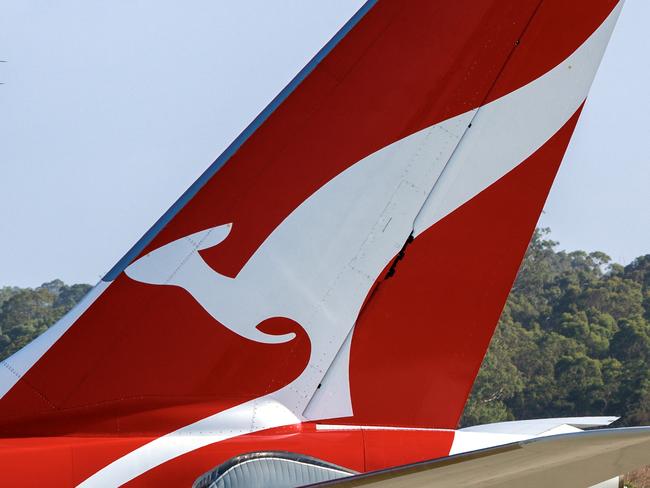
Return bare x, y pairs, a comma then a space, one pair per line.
26, 313
573, 339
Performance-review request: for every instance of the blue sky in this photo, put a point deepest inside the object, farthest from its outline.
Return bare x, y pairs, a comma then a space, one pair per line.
112, 109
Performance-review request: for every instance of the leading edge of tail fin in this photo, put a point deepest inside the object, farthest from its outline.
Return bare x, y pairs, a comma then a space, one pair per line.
443, 122
144, 241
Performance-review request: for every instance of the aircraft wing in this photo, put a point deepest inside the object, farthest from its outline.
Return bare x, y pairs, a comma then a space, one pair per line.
567, 460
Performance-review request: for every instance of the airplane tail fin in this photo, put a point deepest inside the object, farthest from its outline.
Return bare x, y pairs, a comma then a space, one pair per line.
349, 255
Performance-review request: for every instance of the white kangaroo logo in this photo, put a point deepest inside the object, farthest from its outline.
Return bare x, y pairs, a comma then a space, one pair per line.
222, 297
318, 265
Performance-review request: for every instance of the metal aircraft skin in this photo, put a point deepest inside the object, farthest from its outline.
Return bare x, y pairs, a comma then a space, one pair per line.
330, 285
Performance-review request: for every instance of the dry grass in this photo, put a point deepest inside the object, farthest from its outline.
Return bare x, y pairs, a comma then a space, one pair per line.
639, 478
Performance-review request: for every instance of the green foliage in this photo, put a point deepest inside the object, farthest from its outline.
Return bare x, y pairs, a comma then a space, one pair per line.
26, 313
573, 339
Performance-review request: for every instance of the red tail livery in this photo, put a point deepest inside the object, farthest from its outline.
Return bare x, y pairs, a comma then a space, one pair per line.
329, 286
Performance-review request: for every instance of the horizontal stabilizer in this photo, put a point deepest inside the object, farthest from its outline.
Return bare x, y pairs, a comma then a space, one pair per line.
541, 426
568, 460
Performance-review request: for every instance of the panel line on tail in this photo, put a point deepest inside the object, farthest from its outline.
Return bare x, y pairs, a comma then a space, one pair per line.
513, 127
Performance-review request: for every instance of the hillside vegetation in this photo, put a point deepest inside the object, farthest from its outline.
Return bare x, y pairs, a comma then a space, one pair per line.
573, 339
26, 313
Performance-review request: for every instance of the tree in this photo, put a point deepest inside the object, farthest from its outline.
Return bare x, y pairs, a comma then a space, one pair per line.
574, 339
26, 313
